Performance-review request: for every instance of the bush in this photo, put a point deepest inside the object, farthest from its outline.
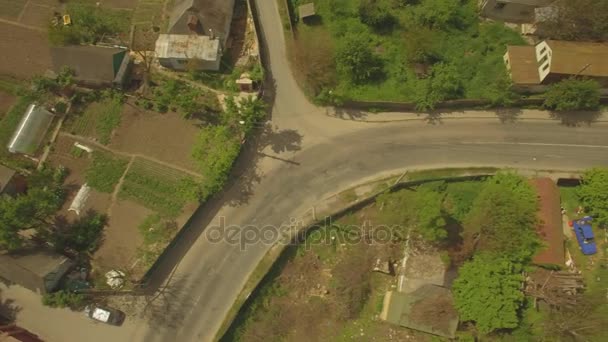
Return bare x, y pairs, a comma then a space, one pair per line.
356, 60
62, 299
376, 14
573, 94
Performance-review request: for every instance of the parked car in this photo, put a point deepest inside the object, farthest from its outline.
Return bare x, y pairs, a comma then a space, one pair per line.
584, 235
105, 314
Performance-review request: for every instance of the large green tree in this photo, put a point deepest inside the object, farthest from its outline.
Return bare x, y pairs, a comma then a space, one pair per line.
573, 94
487, 291
503, 218
32, 210
594, 194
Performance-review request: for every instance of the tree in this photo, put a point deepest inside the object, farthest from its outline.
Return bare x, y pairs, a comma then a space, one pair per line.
573, 94
246, 114
355, 58
445, 84
594, 194
82, 236
503, 218
376, 14
31, 210
487, 291
214, 153
572, 23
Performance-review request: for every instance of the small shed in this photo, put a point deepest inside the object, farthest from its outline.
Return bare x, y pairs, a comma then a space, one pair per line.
31, 130
307, 11
37, 270
429, 309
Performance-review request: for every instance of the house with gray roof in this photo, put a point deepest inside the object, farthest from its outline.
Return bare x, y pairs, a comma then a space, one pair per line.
37, 270
93, 65
31, 130
198, 31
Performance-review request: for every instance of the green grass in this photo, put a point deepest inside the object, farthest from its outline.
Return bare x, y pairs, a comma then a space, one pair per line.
570, 200
99, 120
105, 171
10, 85
159, 188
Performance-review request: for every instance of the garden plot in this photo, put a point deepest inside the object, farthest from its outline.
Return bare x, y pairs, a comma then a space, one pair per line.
98, 120
157, 187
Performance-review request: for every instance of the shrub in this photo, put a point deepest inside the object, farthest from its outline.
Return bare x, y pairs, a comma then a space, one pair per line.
376, 14
573, 94
62, 299
356, 60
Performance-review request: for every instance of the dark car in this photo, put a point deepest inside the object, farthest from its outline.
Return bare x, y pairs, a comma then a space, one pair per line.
105, 314
584, 235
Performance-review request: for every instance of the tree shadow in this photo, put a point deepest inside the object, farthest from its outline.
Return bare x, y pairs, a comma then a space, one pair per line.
346, 113
508, 115
576, 118
434, 118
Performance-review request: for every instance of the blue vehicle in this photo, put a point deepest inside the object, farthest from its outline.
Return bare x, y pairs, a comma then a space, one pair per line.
584, 235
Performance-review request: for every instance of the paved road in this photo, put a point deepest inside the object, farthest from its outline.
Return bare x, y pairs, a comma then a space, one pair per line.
306, 157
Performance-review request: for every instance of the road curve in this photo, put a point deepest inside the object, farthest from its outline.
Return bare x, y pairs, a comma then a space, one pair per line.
319, 156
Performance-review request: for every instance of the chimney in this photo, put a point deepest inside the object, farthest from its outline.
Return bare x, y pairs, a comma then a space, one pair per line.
211, 35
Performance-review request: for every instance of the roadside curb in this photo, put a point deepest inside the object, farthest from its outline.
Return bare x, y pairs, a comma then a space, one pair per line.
437, 119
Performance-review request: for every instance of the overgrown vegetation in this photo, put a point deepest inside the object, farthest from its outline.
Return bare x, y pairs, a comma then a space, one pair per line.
157, 233
593, 194
101, 117
573, 94
90, 24
105, 171
82, 236
179, 96
572, 23
385, 50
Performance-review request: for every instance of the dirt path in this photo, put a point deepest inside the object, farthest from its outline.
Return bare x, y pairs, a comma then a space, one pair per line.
129, 155
114, 197
190, 82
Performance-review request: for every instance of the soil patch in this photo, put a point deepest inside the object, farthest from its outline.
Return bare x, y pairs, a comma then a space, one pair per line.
121, 237
25, 52
6, 102
39, 16
166, 137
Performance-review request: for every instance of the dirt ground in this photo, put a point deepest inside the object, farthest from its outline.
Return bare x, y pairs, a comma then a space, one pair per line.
167, 137
25, 51
6, 102
121, 238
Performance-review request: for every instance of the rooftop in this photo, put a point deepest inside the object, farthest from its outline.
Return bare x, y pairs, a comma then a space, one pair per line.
307, 10
579, 58
429, 309
187, 47
549, 228
90, 63
31, 130
6, 175
214, 16
523, 65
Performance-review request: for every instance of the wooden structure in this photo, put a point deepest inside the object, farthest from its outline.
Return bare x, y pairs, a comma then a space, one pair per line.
556, 288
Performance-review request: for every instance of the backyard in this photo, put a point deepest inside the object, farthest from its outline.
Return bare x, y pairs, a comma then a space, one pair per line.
382, 50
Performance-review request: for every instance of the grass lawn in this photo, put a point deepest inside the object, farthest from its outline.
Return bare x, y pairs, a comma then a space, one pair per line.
430, 37
157, 187
569, 199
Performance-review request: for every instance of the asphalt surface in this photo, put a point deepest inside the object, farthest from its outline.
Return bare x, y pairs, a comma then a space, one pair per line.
306, 156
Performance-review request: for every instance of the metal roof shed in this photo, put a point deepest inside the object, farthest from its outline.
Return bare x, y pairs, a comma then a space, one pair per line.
31, 130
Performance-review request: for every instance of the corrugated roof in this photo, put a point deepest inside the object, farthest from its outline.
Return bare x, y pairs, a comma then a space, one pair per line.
90, 63
549, 228
579, 58
522, 64
187, 47
215, 15
31, 130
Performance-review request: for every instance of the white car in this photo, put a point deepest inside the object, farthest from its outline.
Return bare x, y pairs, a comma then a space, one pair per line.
105, 314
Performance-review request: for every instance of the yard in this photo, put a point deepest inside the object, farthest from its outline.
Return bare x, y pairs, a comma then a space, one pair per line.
388, 51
